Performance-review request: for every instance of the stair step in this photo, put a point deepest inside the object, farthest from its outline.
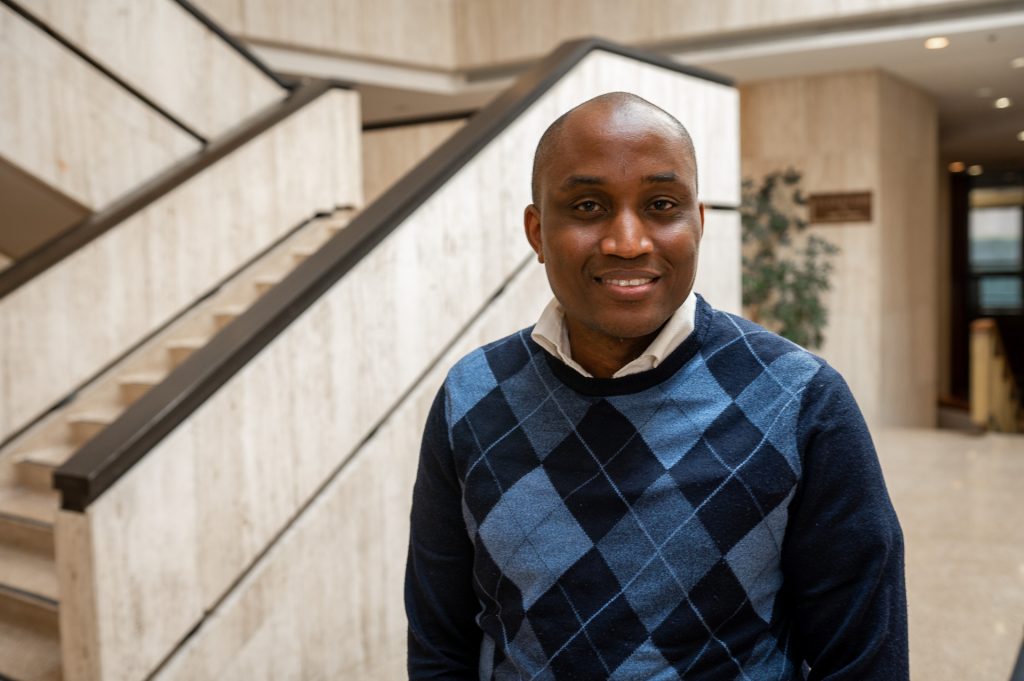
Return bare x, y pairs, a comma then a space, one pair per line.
29, 639
85, 425
35, 474
299, 256
338, 221
225, 315
27, 534
35, 466
264, 284
134, 386
179, 350
27, 505
28, 572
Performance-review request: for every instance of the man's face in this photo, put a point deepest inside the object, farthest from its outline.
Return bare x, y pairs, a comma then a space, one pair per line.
617, 223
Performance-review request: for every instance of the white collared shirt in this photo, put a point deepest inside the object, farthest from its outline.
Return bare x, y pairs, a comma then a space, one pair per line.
552, 334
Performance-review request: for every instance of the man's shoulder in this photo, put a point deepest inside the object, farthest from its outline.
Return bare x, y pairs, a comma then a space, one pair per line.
738, 351
479, 372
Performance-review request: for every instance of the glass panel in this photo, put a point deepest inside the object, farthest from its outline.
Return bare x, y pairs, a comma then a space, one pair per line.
1000, 293
995, 238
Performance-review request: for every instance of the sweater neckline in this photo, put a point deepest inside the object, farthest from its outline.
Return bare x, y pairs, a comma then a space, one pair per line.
638, 382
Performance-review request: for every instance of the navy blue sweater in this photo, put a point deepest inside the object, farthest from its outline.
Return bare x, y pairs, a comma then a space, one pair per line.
722, 516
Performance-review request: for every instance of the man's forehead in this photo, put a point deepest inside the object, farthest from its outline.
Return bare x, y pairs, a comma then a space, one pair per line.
587, 144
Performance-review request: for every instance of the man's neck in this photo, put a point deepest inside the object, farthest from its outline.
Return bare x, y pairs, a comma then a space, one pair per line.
602, 356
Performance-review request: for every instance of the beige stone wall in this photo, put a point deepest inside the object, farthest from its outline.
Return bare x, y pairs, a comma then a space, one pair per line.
168, 55
390, 153
468, 34
864, 131
68, 126
910, 255
420, 32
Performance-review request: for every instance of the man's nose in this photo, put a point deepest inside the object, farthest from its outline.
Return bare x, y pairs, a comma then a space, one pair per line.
626, 236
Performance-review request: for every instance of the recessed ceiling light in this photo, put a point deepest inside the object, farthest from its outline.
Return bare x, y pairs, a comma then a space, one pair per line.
1020, 136
956, 167
1017, 63
936, 43
975, 170
1002, 103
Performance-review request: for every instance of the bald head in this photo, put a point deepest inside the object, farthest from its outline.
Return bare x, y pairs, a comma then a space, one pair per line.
610, 105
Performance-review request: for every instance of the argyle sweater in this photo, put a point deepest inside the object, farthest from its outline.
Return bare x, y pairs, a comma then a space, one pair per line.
722, 516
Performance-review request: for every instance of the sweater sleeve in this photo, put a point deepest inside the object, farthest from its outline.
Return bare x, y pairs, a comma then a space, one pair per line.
843, 552
443, 637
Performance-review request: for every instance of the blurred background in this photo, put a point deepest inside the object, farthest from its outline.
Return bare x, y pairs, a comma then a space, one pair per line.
241, 241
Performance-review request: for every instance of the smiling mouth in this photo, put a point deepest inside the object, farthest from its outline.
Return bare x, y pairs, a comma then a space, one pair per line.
627, 283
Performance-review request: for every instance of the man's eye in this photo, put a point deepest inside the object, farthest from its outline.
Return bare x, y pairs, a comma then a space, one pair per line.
663, 204
587, 206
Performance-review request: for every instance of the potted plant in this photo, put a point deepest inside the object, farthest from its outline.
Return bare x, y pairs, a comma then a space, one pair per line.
786, 270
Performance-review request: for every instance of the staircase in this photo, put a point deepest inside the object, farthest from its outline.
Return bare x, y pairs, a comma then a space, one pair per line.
29, 603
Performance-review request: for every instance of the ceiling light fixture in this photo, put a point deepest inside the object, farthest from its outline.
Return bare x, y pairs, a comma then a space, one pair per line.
1002, 103
1017, 63
1020, 136
975, 170
956, 167
936, 43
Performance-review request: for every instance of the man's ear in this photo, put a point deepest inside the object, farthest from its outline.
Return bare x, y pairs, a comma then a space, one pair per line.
531, 222
701, 205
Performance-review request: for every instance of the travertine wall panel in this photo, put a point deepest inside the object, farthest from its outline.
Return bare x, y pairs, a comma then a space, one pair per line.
420, 32
74, 318
496, 31
467, 34
332, 575
389, 153
165, 53
910, 254
263, 445
718, 271
836, 129
827, 128
72, 128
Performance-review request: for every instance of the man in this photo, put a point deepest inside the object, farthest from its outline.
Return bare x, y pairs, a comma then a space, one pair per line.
640, 486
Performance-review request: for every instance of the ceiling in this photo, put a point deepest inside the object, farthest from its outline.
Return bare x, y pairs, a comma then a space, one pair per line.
964, 79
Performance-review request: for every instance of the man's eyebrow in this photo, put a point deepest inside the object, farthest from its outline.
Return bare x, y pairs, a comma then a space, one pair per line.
582, 181
668, 176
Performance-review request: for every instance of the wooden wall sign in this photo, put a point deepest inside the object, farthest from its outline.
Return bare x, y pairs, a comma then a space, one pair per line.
845, 207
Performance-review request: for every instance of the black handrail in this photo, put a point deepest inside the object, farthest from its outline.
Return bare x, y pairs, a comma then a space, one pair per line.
237, 45
96, 224
121, 82
105, 458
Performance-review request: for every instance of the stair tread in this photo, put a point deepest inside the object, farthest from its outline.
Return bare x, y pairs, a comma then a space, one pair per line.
47, 456
231, 309
33, 505
28, 571
96, 415
29, 648
146, 377
188, 342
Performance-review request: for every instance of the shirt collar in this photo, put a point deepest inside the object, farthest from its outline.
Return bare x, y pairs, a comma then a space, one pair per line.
552, 334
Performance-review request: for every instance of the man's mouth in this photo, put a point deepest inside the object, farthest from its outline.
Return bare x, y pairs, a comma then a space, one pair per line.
626, 282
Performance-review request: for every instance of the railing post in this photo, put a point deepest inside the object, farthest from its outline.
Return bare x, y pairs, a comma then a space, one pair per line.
982, 336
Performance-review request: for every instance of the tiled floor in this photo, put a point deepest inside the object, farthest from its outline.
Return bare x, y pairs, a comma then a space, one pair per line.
960, 499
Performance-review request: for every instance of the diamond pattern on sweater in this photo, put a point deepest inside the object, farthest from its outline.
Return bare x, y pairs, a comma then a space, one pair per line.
630, 536
771, 403
528, 520
544, 426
